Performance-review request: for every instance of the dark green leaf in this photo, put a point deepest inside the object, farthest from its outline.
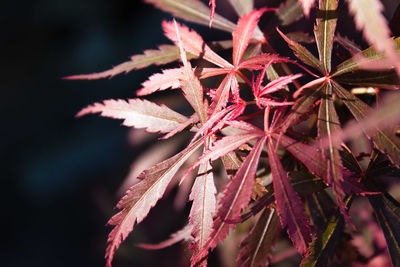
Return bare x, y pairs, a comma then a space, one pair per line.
321, 207
322, 246
385, 140
387, 210
351, 65
257, 246
324, 31
302, 53
382, 79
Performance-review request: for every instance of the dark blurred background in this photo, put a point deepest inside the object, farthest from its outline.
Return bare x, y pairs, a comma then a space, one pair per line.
60, 174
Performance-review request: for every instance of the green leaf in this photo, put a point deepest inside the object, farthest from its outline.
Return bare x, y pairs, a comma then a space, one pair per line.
193, 11
385, 140
382, 79
257, 246
302, 53
289, 12
324, 31
322, 246
387, 210
242, 7
351, 65
321, 207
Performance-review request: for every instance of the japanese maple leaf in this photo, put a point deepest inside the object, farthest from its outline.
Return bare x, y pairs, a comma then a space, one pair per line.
194, 44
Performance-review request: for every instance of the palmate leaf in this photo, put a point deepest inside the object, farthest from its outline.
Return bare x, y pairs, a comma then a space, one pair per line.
164, 55
324, 31
235, 198
368, 17
258, 244
140, 198
302, 53
387, 210
138, 113
385, 140
322, 246
193, 11
289, 205
213, 5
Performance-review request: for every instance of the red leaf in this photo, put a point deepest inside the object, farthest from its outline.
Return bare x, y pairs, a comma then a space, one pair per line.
212, 4
193, 43
259, 62
161, 81
140, 198
181, 235
278, 84
289, 206
235, 198
138, 113
243, 34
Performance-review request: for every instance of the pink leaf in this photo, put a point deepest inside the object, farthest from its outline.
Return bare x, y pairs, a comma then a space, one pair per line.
190, 84
193, 43
221, 96
368, 17
140, 198
243, 34
181, 235
161, 81
212, 4
192, 120
259, 62
289, 206
278, 84
307, 5
138, 113
235, 198
203, 207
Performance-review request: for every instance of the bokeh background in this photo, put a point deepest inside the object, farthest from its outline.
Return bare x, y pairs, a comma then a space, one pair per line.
60, 175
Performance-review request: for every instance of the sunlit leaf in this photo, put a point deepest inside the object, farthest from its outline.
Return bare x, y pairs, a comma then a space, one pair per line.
181, 235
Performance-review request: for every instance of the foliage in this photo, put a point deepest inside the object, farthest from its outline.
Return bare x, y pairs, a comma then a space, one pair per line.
274, 124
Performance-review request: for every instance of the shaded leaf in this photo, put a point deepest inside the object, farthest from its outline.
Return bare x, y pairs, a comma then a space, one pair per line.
321, 208
385, 140
289, 206
181, 235
242, 7
324, 31
258, 244
138, 113
193, 11
302, 53
382, 79
322, 246
387, 210
140, 198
